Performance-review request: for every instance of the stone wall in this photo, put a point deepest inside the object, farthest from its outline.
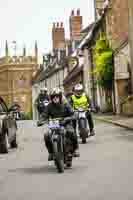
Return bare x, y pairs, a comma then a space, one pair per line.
122, 77
15, 83
127, 106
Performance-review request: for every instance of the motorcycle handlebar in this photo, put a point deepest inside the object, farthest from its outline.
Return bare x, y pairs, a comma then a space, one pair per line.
63, 120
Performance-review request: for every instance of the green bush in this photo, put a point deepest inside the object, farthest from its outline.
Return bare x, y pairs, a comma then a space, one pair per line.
103, 62
27, 116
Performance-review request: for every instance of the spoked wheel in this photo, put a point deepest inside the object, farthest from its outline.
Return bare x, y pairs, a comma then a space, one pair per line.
83, 130
58, 157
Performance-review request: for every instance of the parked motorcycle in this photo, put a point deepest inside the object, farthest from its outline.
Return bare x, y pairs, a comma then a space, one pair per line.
43, 104
16, 115
82, 124
15, 109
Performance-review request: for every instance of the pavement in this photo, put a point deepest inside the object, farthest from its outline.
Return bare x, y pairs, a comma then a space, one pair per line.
119, 120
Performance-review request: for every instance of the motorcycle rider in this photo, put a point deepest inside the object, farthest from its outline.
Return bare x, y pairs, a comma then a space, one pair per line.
43, 96
16, 109
80, 99
57, 108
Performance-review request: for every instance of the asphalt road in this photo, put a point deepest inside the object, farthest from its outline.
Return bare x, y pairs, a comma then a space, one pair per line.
103, 171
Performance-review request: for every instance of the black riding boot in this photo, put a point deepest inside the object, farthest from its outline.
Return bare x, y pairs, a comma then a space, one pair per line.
48, 146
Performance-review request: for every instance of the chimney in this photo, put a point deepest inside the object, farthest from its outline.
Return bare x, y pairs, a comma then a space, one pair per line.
24, 51
72, 13
75, 26
57, 24
78, 12
58, 36
53, 25
61, 25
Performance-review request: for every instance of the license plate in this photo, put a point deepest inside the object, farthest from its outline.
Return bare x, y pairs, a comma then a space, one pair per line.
82, 115
46, 103
54, 124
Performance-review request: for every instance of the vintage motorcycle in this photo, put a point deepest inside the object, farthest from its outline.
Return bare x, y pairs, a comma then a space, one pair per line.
43, 104
16, 112
80, 115
61, 142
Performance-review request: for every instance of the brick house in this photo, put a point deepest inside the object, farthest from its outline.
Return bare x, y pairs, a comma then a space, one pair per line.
116, 28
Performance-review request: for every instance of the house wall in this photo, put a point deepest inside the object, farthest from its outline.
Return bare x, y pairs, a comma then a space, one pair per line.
122, 75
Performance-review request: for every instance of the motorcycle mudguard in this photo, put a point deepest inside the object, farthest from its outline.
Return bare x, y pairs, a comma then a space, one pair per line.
82, 123
55, 138
83, 128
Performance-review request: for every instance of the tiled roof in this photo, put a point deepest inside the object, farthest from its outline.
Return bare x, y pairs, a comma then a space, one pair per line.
72, 74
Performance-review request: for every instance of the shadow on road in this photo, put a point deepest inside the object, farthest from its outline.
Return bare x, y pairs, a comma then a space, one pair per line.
35, 170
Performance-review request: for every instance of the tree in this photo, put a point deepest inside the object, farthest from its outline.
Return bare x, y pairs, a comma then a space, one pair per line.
103, 63
103, 60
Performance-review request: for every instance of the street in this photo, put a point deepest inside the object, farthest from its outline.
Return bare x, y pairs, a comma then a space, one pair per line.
103, 171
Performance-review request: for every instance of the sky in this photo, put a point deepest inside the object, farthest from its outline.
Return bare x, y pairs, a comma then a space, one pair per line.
25, 21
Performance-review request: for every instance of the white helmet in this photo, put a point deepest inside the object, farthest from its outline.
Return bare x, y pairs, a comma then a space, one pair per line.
78, 87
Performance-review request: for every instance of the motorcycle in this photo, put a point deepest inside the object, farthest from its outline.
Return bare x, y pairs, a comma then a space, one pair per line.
42, 106
16, 112
82, 124
16, 115
61, 142
45, 103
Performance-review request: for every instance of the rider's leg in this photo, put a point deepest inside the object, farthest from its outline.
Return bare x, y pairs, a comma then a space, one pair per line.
48, 144
74, 139
74, 124
91, 123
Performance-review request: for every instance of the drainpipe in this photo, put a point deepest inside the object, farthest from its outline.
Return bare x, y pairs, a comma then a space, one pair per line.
113, 86
93, 79
86, 70
130, 26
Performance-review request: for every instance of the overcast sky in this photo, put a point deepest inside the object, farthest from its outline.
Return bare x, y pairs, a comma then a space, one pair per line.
28, 20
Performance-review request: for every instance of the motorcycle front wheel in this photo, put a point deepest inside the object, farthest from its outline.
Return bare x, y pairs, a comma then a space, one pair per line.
83, 130
58, 157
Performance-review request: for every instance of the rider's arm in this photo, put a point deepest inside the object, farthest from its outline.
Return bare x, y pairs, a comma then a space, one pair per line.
71, 101
68, 110
90, 103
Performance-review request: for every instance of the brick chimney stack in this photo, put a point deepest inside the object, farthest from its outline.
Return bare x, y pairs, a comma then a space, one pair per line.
75, 25
58, 36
